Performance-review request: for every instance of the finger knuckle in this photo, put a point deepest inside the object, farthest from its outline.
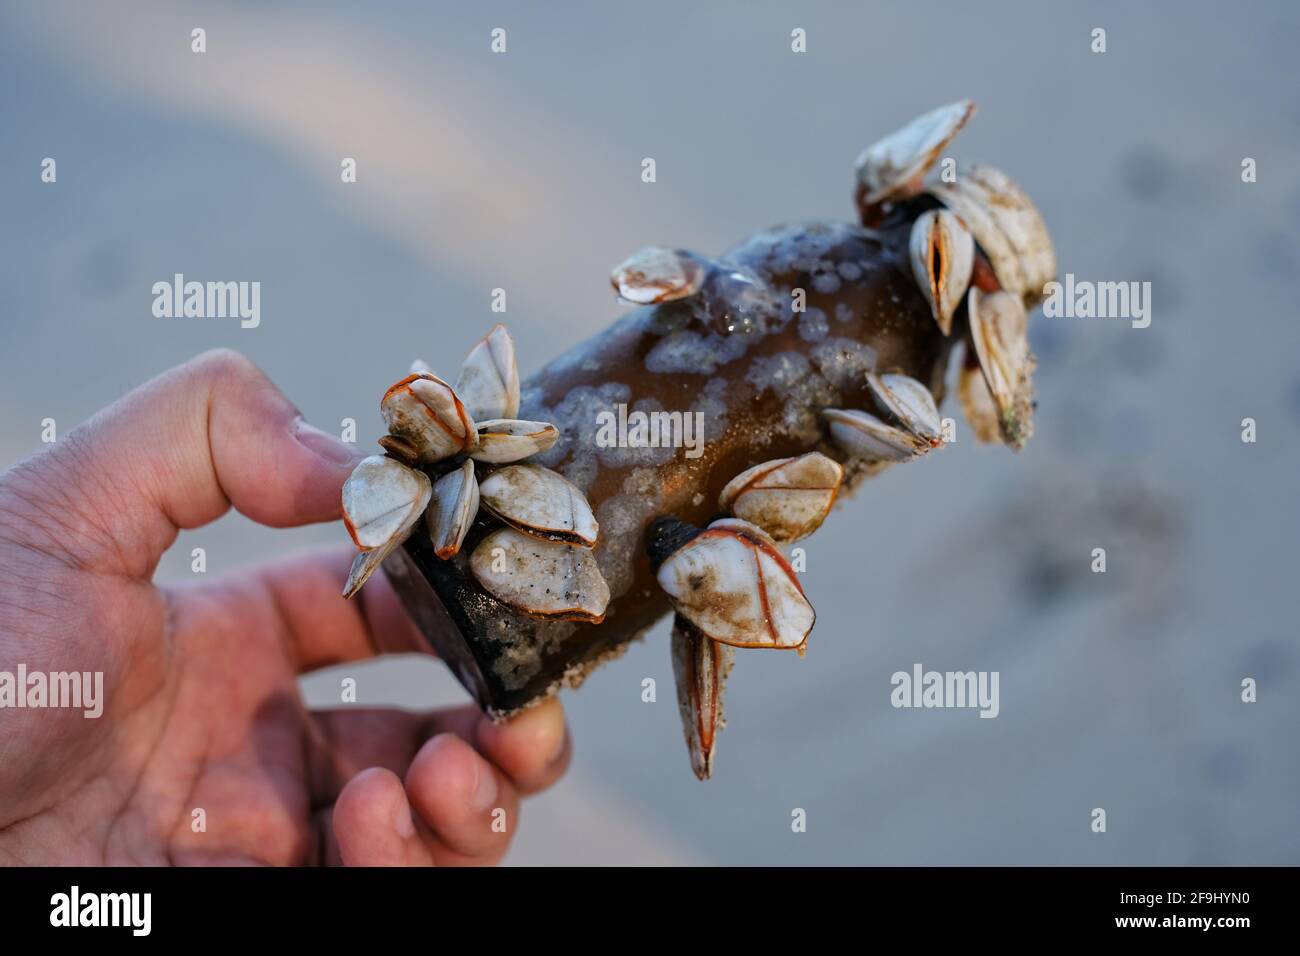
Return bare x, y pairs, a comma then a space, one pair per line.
226, 366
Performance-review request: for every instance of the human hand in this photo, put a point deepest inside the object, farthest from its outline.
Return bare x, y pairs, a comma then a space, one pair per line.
201, 705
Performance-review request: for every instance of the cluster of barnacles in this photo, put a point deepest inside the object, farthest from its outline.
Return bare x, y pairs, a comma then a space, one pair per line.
982, 242
540, 561
729, 584
986, 241
979, 254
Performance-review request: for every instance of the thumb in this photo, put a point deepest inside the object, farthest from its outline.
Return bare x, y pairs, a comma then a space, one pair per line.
175, 453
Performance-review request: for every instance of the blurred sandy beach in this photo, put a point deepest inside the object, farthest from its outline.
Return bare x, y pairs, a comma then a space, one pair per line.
476, 171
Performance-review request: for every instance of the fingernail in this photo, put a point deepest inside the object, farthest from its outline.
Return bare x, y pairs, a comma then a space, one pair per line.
323, 444
542, 729
483, 794
551, 723
560, 744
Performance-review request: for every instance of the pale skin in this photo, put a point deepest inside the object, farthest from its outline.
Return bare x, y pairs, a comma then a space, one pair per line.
201, 708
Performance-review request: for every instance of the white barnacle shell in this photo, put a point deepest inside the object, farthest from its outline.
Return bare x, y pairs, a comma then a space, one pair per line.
540, 502
942, 251
700, 669
998, 333
911, 403
365, 564
893, 167
502, 440
428, 413
738, 589
863, 435
1007, 227
787, 497
977, 405
489, 377
382, 501
657, 274
419, 367
452, 509
544, 579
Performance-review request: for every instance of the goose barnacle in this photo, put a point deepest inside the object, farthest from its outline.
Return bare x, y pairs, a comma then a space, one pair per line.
546, 579
911, 403
700, 669
942, 251
540, 502
892, 168
1007, 226
429, 423
502, 440
998, 335
452, 508
737, 588
489, 377
787, 497
382, 501
656, 274
426, 411
862, 435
